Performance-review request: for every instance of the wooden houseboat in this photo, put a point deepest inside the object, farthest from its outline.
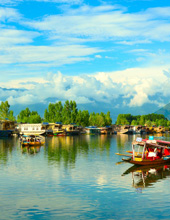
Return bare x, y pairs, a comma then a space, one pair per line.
92, 130
105, 130
71, 129
126, 129
35, 129
7, 127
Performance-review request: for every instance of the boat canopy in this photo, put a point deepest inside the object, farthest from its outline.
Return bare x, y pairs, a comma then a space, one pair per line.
152, 144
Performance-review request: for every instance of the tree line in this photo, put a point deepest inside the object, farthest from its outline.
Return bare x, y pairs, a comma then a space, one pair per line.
57, 112
149, 120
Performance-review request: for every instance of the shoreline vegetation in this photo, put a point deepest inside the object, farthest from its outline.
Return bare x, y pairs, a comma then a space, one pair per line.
68, 113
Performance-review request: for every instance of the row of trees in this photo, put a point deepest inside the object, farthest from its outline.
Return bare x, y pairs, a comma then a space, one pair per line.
149, 120
69, 113
57, 112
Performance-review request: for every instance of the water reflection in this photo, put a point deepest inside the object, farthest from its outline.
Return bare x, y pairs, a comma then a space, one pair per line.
6, 148
146, 176
30, 149
66, 148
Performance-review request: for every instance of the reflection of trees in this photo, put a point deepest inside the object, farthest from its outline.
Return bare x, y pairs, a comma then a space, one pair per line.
6, 147
124, 141
65, 149
99, 143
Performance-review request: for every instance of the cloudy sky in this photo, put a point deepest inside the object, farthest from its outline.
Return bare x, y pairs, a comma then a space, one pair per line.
112, 54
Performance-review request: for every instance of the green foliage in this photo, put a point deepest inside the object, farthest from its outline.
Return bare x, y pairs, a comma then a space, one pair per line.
70, 114
100, 119
54, 112
82, 118
5, 112
149, 120
26, 116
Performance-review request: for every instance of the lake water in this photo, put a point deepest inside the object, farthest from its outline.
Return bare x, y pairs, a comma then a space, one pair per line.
79, 178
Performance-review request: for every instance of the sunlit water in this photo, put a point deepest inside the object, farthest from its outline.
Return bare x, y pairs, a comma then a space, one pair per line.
79, 178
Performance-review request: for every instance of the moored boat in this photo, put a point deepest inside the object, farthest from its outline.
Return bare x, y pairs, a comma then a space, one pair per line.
148, 152
32, 140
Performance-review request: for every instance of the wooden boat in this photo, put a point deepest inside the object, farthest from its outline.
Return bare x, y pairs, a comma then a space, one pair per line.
149, 152
32, 140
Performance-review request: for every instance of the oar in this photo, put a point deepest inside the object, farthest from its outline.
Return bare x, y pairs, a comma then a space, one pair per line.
126, 155
120, 162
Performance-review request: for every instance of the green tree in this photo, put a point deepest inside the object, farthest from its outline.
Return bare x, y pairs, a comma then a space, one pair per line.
92, 119
5, 112
26, 116
108, 119
66, 113
134, 122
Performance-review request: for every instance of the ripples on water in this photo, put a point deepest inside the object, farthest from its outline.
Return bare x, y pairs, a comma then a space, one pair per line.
79, 178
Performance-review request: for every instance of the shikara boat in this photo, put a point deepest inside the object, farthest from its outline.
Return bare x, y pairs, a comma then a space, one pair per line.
32, 140
148, 152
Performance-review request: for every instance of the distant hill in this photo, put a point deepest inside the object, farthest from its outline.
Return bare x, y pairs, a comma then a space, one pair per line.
165, 111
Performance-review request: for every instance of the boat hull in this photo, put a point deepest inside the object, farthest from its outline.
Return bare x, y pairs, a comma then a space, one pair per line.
5, 133
146, 162
32, 143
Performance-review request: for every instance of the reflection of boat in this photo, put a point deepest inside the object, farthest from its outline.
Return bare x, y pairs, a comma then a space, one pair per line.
149, 152
145, 176
62, 134
32, 140
31, 149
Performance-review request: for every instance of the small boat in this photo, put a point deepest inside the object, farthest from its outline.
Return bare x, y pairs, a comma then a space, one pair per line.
31, 140
148, 152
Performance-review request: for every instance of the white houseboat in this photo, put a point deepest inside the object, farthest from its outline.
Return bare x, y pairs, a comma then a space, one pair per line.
39, 128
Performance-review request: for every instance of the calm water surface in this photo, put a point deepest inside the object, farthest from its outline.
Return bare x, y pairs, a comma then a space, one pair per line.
79, 178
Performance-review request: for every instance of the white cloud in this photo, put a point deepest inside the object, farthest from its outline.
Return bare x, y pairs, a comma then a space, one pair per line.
45, 55
8, 14
98, 56
135, 88
107, 23
13, 2
12, 37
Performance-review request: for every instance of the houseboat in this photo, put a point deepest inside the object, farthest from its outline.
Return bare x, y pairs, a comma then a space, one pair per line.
92, 130
139, 129
57, 128
126, 129
71, 129
7, 127
105, 130
35, 129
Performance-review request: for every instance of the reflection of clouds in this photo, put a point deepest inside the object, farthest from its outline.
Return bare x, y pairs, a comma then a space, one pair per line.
101, 180
32, 188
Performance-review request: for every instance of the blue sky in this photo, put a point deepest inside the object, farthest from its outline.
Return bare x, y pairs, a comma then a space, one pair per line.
112, 54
